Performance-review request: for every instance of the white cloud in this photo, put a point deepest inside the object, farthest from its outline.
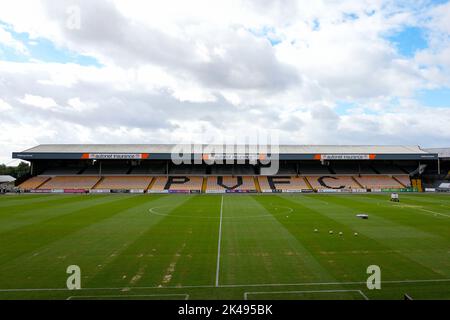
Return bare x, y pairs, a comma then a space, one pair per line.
38, 101
175, 69
4, 106
8, 40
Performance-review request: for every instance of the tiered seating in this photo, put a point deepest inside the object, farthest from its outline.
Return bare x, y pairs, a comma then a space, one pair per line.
248, 184
192, 183
332, 182
295, 183
378, 182
33, 183
404, 179
124, 183
75, 182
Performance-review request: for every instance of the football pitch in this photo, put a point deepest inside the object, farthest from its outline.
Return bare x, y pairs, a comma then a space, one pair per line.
224, 246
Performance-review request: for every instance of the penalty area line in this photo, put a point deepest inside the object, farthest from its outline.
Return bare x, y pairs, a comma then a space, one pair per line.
246, 294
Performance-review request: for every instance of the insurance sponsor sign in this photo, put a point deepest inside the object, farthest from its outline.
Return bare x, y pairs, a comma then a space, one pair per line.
232, 157
345, 156
115, 156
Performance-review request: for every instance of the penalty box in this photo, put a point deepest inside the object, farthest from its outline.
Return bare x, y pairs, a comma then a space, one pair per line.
306, 295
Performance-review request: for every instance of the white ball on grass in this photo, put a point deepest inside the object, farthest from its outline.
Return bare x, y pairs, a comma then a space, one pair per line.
340, 233
331, 231
356, 234
315, 230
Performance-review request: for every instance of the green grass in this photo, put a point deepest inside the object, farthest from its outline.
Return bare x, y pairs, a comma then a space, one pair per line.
166, 246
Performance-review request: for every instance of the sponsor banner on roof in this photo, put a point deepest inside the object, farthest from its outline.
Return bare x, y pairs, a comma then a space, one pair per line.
345, 156
115, 156
221, 157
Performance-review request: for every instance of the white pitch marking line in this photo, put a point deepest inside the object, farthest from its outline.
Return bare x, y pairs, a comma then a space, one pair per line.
330, 283
231, 285
364, 296
219, 242
185, 295
246, 294
440, 214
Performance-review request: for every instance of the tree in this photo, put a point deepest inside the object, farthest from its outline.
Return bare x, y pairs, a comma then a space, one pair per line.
22, 169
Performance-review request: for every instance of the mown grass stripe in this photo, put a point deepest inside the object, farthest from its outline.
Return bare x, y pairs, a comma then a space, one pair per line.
55, 228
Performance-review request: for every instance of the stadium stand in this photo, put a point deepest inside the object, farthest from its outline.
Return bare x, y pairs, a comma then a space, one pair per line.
333, 182
403, 179
124, 183
378, 182
71, 182
301, 168
33, 183
177, 184
284, 183
238, 183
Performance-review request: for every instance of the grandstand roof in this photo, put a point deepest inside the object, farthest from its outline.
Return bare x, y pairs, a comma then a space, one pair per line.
167, 148
164, 151
443, 153
4, 179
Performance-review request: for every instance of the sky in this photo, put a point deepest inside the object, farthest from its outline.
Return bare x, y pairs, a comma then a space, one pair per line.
308, 72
